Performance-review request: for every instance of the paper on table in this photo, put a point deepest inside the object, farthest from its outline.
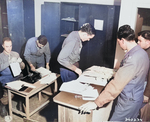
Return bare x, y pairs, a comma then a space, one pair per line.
15, 68
43, 71
90, 94
18, 84
92, 80
73, 87
48, 78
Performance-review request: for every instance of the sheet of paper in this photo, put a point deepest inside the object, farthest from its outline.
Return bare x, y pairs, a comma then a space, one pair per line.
73, 86
18, 84
92, 80
48, 78
43, 71
15, 68
90, 94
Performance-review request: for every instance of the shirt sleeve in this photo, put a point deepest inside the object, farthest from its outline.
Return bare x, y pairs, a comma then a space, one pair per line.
27, 53
47, 53
63, 57
3, 63
147, 89
115, 86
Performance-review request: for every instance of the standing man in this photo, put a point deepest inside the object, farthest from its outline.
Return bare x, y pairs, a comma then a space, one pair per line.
6, 58
144, 42
37, 52
128, 82
69, 55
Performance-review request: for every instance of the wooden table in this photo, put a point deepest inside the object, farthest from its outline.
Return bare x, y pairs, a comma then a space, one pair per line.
39, 88
68, 109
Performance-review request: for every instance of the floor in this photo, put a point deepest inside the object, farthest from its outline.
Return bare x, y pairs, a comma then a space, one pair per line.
47, 114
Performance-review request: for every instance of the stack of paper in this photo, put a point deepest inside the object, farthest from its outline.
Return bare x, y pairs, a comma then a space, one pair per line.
87, 92
48, 78
43, 71
96, 75
18, 84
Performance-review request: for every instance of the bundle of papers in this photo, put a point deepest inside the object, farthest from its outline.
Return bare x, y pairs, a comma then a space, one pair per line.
48, 78
96, 75
43, 71
18, 84
86, 91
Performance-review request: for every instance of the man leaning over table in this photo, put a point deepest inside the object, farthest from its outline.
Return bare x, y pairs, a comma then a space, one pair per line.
128, 82
37, 52
69, 55
6, 58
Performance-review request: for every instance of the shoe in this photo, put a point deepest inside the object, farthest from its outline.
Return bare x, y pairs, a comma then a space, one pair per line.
3, 110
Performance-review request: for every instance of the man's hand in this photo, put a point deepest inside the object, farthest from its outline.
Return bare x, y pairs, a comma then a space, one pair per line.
13, 60
87, 107
78, 71
32, 67
146, 99
47, 66
19, 60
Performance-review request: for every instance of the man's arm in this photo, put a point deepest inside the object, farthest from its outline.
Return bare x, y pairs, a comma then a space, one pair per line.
4, 63
147, 89
116, 85
64, 59
47, 54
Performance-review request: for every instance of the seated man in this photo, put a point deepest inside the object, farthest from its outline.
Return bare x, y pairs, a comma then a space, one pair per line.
6, 58
36, 52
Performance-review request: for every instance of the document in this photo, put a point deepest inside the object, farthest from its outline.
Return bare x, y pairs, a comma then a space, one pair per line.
43, 71
18, 84
15, 68
92, 80
48, 78
84, 91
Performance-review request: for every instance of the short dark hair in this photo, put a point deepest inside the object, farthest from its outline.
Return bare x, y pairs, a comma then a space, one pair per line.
42, 39
88, 28
126, 32
145, 34
6, 39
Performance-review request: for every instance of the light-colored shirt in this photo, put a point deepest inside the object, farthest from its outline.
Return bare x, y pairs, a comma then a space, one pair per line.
70, 52
31, 50
4, 59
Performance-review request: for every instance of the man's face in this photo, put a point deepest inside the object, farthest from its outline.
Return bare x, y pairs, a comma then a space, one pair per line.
39, 45
144, 43
7, 46
87, 37
121, 43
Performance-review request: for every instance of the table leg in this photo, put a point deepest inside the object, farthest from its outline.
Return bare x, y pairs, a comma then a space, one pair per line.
27, 107
39, 96
10, 102
56, 86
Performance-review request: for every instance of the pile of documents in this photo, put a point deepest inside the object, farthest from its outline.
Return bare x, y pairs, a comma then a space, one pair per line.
47, 75
96, 75
85, 90
18, 84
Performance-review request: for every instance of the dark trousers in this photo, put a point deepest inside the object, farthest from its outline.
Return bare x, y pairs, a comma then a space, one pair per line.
67, 75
